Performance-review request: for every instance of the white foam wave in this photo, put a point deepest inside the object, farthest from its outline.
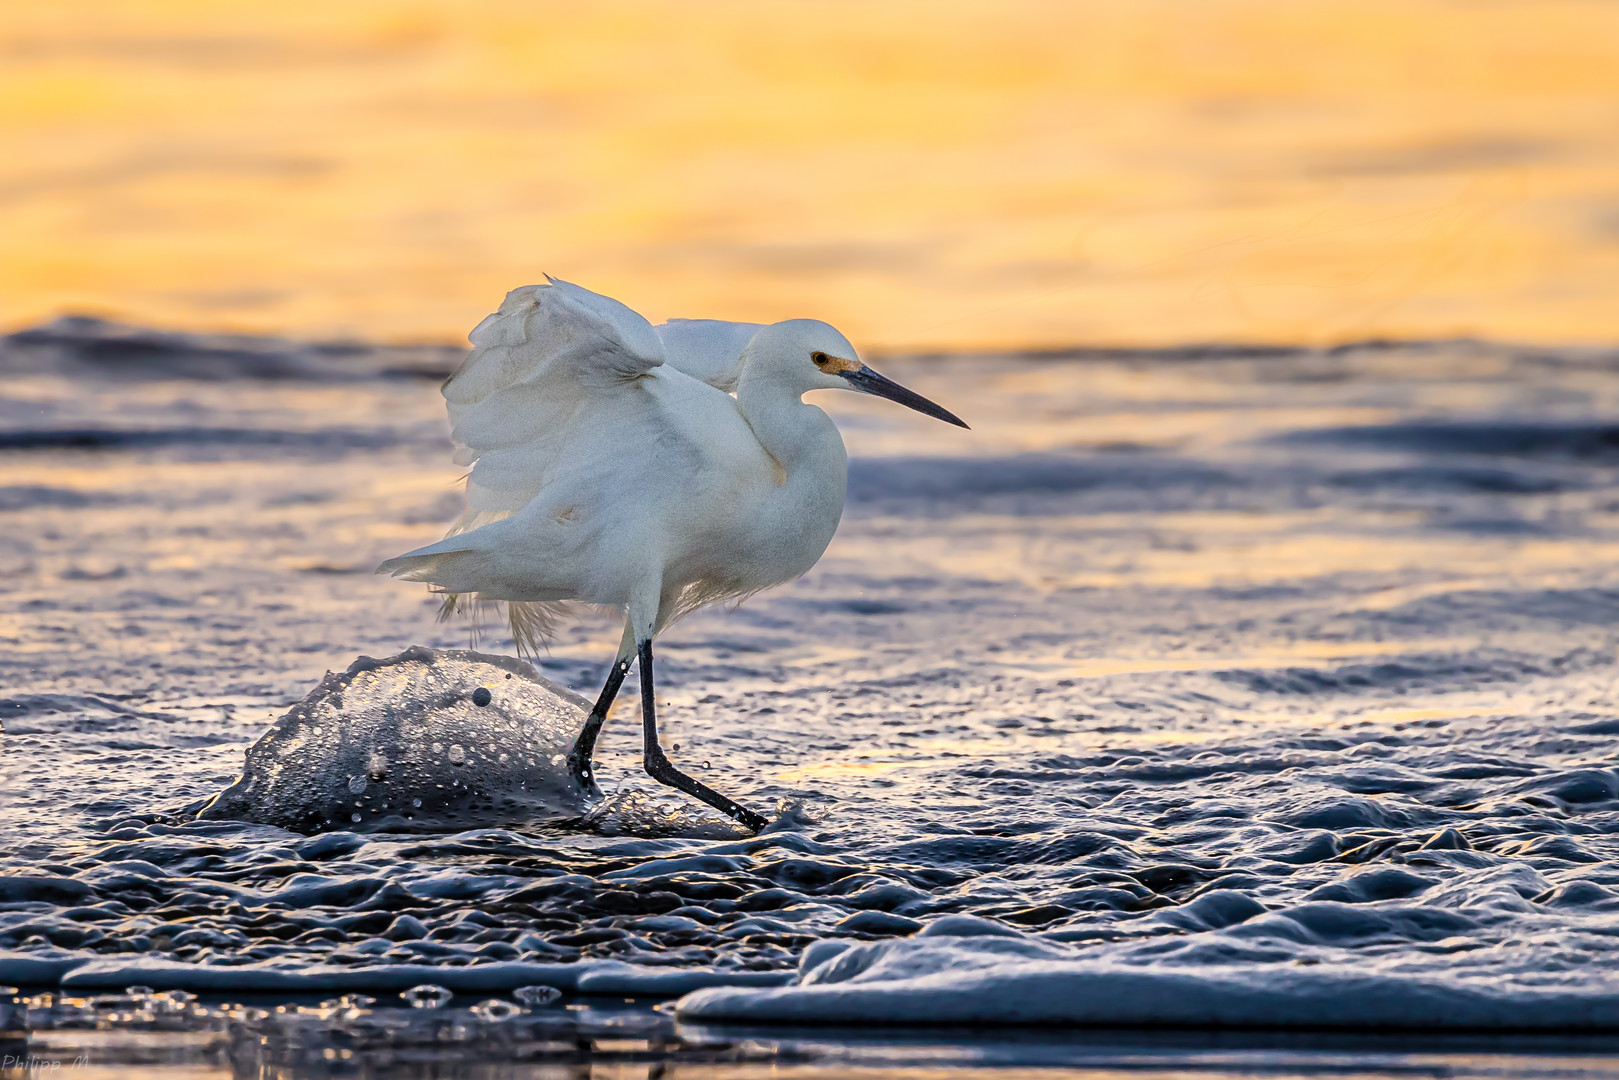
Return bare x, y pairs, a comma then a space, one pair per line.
963, 970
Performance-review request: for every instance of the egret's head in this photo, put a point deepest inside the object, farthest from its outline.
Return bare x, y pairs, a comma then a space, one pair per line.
811, 355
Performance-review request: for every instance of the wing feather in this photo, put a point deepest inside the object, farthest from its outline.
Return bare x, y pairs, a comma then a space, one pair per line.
548, 350
550, 330
707, 349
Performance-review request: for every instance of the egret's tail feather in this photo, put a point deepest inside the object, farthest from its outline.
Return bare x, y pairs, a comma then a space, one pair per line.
414, 567
535, 621
531, 622
456, 566
429, 563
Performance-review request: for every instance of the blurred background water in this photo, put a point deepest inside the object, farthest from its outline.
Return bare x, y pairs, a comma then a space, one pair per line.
919, 174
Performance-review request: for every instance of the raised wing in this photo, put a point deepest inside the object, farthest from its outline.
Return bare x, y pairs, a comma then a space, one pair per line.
531, 362
707, 349
555, 329
551, 351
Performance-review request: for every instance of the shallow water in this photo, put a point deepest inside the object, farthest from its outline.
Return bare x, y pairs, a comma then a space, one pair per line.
1278, 658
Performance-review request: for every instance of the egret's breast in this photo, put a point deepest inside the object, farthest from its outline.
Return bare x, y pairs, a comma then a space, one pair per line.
799, 515
768, 506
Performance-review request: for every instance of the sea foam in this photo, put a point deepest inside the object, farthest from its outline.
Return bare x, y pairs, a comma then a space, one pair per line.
965, 970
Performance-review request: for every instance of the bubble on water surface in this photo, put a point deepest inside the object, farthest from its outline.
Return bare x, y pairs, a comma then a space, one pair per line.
494, 1012
389, 752
426, 996
537, 996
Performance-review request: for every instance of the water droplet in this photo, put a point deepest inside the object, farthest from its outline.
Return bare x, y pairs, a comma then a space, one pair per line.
458, 756
355, 818
416, 803
481, 696
356, 784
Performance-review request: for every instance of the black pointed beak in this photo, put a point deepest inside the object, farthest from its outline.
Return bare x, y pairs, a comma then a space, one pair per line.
868, 381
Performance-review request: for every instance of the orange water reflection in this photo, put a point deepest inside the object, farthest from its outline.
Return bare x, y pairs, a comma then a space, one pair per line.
923, 174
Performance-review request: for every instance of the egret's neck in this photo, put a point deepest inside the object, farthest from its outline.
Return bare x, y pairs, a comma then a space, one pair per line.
789, 429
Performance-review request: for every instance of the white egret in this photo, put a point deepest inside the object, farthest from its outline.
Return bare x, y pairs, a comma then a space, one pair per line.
612, 465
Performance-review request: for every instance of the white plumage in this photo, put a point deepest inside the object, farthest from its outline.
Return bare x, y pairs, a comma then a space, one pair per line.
610, 465
707, 349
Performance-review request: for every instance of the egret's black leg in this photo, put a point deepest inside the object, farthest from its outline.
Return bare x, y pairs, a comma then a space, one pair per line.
585, 745
659, 767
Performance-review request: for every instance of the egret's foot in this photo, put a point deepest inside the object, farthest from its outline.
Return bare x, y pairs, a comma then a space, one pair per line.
584, 746
661, 769
579, 767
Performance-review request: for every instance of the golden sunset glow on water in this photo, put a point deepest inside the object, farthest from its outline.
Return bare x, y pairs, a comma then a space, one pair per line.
922, 175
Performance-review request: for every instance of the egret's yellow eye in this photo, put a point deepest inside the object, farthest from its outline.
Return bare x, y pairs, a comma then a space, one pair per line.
820, 358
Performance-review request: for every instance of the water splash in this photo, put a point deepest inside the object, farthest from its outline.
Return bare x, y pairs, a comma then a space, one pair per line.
660, 815
420, 742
